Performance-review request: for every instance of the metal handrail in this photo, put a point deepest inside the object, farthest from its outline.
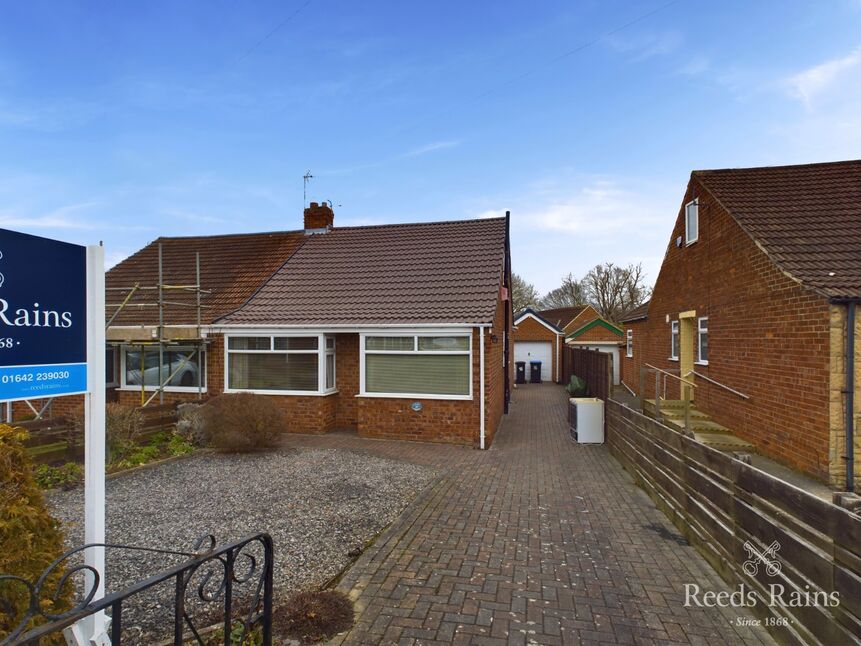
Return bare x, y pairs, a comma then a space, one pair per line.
717, 383
689, 383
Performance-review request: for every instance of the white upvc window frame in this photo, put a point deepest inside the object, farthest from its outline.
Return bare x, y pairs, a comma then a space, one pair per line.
696, 210
111, 360
629, 343
674, 336
321, 351
702, 327
415, 333
201, 361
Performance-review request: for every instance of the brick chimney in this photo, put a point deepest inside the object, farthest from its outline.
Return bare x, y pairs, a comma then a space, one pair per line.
318, 218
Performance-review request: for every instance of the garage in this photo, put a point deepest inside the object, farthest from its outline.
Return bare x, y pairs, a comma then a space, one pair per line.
536, 351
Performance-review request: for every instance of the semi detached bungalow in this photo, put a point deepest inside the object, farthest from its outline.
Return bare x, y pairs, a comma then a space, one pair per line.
755, 304
394, 331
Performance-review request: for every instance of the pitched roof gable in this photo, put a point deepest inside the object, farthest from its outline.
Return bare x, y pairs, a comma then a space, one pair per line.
806, 218
232, 268
529, 312
562, 316
594, 323
420, 273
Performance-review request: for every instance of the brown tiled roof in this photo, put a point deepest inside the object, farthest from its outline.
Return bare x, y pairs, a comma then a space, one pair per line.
562, 316
636, 314
232, 267
806, 218
438, 272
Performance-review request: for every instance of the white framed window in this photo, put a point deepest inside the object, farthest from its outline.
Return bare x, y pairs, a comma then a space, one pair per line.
183, 368
280, 364
692, 222
674, 340
703, 340
426, 365
629, 343
111, 366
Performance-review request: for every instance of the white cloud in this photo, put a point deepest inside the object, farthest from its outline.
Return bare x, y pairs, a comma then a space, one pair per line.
644, 47
432, 147
813, 82
695, 66
59, 218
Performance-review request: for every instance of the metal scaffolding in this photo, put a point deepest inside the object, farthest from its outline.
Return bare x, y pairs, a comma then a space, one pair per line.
161, 336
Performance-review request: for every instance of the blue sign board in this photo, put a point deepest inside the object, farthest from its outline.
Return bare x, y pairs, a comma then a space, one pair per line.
43, 306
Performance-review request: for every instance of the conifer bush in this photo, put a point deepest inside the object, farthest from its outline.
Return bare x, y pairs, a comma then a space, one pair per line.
30, 538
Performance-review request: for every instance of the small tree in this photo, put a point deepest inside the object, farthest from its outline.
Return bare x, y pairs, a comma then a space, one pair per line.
571, 292
523, 294
30, 537
614, 290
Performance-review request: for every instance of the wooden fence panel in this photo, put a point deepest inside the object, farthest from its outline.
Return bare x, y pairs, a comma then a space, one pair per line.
592, 366
722, 505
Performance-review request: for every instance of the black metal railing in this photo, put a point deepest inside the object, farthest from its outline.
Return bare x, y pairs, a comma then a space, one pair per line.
219, 569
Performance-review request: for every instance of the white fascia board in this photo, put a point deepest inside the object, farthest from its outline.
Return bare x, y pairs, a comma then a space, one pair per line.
538, 320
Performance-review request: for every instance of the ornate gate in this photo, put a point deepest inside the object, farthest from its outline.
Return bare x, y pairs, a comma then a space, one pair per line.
212, 574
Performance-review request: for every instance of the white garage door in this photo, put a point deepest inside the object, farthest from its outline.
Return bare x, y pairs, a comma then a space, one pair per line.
536, 351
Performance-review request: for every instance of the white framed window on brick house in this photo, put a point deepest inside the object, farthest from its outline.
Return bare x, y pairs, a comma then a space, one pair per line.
674, 340
703, 340
692, 222
183, 368
276, 364
424, 365
111, 367
629, 343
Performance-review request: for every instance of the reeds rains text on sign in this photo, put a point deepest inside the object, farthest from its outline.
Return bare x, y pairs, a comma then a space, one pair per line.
43, 304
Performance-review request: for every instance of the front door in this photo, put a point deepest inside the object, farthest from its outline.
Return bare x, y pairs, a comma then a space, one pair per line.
687, 342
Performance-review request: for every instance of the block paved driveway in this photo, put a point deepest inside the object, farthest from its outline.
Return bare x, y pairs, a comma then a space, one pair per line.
537, 540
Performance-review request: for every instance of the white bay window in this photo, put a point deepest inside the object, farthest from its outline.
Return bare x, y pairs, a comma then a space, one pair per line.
433, 366
276, 364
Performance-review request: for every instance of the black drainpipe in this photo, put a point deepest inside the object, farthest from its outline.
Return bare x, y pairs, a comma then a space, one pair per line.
850, 396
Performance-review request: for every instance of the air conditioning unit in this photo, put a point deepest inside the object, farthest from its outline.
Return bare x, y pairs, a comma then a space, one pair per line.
586, 420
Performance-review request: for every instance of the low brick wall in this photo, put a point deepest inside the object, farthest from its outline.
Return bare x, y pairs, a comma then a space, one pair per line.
724, 506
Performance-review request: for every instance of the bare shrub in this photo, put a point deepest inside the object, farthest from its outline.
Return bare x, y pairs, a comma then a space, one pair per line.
314, 616
123, 427
242, 422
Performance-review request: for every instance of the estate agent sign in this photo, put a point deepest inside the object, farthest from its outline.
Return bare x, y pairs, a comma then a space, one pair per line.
43, 305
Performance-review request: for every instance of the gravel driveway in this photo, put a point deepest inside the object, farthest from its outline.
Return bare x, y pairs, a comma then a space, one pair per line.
317, 504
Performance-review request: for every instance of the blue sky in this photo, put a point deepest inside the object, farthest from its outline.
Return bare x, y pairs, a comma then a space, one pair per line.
125, 121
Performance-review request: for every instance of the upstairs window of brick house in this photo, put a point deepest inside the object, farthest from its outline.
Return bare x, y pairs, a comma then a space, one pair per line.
629, 345
703, 339
432, 366
674, 340
692, 222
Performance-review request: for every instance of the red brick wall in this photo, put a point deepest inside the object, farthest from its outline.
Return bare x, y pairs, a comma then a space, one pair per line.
494, 371
347, 375
768, 338
629, 370
531, 330
598, 334
440, 420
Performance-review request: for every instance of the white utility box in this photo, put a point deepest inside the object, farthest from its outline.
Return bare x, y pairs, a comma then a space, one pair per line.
586, 420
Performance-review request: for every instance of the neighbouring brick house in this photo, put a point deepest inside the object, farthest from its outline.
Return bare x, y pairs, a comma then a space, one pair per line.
762, 271
395, 331
539, 335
